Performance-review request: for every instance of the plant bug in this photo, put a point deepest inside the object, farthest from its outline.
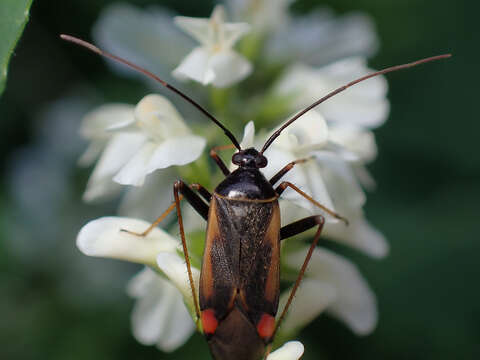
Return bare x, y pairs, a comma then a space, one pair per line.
239, 285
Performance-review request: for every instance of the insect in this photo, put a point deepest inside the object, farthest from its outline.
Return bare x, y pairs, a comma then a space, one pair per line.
239, 285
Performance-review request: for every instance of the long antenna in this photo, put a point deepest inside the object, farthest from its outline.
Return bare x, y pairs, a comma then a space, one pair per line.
344, 87
97, 50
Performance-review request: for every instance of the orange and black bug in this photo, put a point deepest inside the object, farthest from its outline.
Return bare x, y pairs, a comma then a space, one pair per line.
240, 278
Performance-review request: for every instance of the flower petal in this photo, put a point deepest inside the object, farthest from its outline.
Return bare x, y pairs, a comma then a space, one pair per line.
153, 156
159, 315
176, 151
308, 133
292, 350
147, 37
358, 234
228, 68
340, 181
138, 201
103, 238
96, 123
195, 66
118, 151
159, 119
135, 170
339, 37
307, 177
364, 104
248, 135
173, 266
364, 177
311, 299
93, 151
355, 303
233, 32
214, 30
357, 140
264, 15
198, 28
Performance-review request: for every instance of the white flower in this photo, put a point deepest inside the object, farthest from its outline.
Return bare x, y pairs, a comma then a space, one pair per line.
152, 198
331, 284
95, 127
303, 139
358, 143
319, 38
103, 238
143, 139
363, 105
358, 147
160, 316
214, 61
264, 15
349, 115
146, 36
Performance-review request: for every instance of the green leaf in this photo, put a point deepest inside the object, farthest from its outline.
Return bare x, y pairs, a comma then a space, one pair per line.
13, 17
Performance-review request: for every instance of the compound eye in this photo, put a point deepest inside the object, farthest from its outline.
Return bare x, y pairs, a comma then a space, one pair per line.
261, 161
237, 159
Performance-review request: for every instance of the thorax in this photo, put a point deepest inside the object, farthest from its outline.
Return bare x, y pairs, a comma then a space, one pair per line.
248, 184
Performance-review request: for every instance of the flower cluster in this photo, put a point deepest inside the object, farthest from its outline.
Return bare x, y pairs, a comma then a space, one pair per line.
297, 60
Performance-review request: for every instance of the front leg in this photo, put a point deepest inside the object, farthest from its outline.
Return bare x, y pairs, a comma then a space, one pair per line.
218, 160
281, 188
185, 193
286, 169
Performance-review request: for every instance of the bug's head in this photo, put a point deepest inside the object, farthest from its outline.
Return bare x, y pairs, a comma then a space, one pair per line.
249, 158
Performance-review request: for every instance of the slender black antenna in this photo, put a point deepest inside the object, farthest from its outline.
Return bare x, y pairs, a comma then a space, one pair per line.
153, 76
340, 89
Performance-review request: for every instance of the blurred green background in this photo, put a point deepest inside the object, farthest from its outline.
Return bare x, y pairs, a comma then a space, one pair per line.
57, 304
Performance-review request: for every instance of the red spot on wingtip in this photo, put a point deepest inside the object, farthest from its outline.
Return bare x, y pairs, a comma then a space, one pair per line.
209, 321
266, 326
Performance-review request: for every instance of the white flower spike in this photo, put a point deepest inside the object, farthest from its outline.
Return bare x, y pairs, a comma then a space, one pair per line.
214, 61
335, 137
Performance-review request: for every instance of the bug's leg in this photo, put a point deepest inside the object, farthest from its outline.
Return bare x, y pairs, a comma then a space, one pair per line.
191, 198
281, 188
201, 208
286, 169
267, 351
292, 229
202, 191
155, 223
220, 163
